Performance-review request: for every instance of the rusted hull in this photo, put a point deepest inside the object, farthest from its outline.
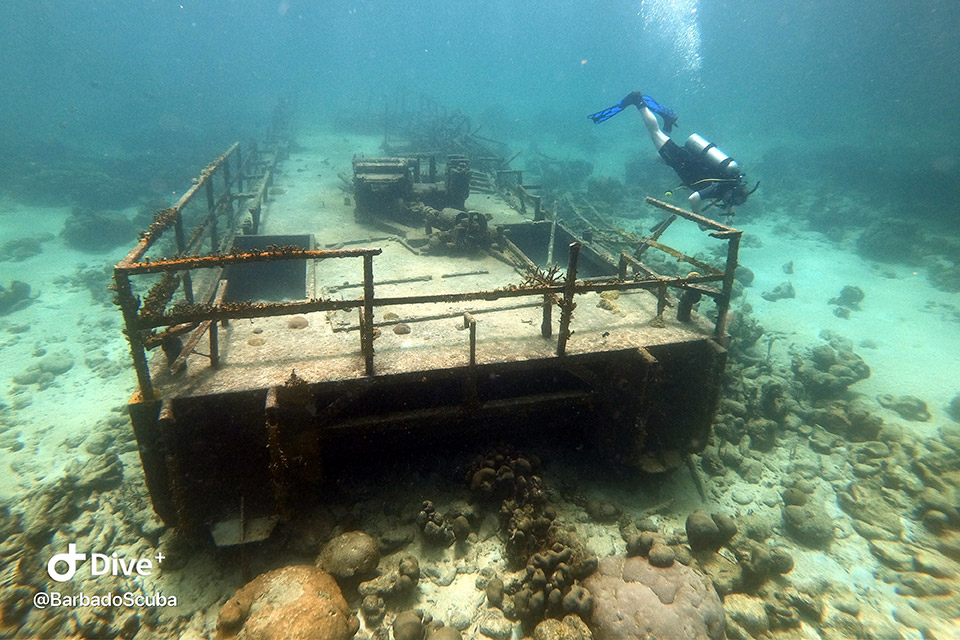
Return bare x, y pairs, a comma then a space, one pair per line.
205, 456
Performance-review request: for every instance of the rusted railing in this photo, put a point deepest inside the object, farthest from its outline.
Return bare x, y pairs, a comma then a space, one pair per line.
231, 171
522, 191
725, 276
142, 318
196, 313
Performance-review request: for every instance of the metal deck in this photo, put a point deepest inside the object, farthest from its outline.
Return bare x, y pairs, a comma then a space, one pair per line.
243, 425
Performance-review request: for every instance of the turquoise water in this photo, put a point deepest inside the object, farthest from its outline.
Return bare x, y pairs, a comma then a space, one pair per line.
844, 111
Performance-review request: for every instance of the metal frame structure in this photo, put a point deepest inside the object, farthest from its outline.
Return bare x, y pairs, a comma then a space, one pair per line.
143, 318
257, 168
265, 423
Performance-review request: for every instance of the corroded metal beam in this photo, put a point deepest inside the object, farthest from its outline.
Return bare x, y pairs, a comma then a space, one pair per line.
222, 260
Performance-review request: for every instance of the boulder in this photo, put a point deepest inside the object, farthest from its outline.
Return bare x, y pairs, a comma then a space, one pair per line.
570, 628
493, 624
635, 600
850, 297
15, 298
827, 371
408, 625
892, 240
809, 525
907, 407
747, 612
953, 409
445, 633
709, 532
350, 554
782, 291
291, 602
90, 230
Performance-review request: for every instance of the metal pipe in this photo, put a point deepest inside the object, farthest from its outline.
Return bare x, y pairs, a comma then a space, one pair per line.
167, 425
239, 168
693, 217
221, 260
278, 462
226, 182
437, 316
366, 333
723, 302
552, 240
237, 310
207, 325
546, 324
214, 346
129, 306
567, 304
187, 282
218, 297
153, 234
212, 218
469, 322
356, 285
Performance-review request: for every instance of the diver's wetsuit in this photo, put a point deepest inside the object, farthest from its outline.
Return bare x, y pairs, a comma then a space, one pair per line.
696, 173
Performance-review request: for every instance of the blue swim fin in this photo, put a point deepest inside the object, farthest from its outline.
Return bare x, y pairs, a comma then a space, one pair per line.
668, 115
606, 114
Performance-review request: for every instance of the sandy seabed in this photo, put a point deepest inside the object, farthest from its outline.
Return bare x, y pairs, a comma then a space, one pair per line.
905, 330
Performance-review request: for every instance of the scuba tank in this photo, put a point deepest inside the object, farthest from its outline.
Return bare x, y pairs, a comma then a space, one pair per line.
713, 155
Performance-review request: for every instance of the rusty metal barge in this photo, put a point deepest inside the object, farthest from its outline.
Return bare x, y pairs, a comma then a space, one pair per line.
438, 298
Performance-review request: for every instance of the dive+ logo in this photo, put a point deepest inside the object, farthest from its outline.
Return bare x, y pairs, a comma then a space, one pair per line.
100, 564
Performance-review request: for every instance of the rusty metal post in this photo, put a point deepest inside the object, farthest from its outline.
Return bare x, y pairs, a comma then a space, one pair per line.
567, 304
552, 240
129, 305
214, 346
167, 425
226, 183
622, 271
366, 329
212, 216
470, 380
473, 342
469, 322
433, 168
723, 302
181, 248
546, 325
279, 475
661, 301
537, 210
239, 169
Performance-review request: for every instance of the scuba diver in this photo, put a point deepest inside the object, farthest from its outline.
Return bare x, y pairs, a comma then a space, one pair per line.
702, 166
